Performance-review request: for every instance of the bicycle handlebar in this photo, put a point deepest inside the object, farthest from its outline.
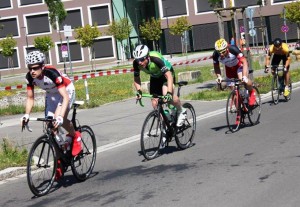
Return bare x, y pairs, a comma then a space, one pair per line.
25, 123
149, 96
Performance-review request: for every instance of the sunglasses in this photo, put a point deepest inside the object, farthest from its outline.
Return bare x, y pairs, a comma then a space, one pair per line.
35, 68
141, 59
222, 51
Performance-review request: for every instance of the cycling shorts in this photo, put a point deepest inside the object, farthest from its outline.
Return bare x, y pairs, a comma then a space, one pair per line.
53, 100
156, 84
234, 75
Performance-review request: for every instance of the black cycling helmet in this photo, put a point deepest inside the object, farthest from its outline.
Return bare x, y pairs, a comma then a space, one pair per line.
277, 42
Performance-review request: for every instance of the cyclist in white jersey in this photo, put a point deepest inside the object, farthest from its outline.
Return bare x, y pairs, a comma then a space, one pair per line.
60, 95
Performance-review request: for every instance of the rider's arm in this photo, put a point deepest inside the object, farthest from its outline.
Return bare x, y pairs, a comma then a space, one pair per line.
29, 100
30, 94
136, 76
216, 63
268, 56
169, 77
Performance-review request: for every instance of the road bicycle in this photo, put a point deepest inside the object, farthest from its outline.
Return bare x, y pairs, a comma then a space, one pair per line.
159, 128
45, 152
237, 106
278, 84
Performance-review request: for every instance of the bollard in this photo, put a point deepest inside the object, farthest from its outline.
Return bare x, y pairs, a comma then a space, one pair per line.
86, 91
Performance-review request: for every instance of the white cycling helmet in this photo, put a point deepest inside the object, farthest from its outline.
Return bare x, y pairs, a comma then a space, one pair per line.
140, 51
35, 57
221, 44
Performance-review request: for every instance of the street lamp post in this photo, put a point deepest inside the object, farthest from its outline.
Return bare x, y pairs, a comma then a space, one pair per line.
26, 37
166, 9
137, 25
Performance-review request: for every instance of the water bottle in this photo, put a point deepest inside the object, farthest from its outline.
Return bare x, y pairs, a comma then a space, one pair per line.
59, 139
246, 96
167, 113
68, 141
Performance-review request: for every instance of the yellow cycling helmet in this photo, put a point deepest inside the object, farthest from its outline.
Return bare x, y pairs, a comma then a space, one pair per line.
221, 44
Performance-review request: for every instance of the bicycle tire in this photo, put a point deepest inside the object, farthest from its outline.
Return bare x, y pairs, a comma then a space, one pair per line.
287, 98
41, 166
233, 112
185, 134
275, 90
83, 164
255, 110
151, 135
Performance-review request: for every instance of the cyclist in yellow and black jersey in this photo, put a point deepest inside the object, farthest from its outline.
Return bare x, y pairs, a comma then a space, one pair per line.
280, 51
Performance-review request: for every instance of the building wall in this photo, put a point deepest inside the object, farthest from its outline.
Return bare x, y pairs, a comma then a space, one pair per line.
29, 20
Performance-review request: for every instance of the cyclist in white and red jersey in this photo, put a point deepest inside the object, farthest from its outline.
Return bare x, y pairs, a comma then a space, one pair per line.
236, 65
60, 95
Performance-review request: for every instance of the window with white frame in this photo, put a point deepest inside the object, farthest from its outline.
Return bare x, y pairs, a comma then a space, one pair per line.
29, 2
9, 27
4, 61
5, 4
100, 15
174, 7
73, 19
103, 48
37, 24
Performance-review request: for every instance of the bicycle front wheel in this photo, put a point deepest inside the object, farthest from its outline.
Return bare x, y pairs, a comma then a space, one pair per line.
185, 134
255, 110
151, 135
275, 89
233, 112
41, 166
83, 164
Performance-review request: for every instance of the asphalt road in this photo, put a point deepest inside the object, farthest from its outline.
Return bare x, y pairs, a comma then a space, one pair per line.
256, 166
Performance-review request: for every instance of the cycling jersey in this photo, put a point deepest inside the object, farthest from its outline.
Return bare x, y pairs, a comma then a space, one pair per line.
156, 67
283, 50
232, 62
50, 80
279, 54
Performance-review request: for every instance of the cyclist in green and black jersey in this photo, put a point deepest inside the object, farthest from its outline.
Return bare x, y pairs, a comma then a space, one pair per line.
162, 77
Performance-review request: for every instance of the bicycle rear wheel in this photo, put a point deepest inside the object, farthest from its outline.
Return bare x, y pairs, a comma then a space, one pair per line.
233, 112
255, 110
151, 135
287, 98
83, 164
41, 166
185, 134
275, 89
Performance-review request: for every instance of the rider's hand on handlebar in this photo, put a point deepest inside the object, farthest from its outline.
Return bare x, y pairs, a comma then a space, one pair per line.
169, 96
59, 120
139, 94
267, 68
245, 79
219, 79
24, 118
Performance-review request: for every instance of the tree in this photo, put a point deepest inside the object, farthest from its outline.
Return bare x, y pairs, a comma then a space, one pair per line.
7, 46
216, 3
57, 13
151, 30
179, 28
121, 31
292, 14
86, 36
44, 44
